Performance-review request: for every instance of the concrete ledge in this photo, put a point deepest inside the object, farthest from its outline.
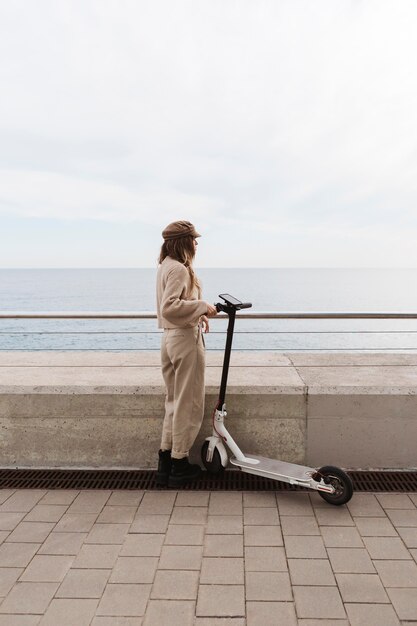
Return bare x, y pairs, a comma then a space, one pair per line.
105, 409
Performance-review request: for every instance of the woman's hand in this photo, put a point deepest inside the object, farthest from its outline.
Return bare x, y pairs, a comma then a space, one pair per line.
211, 312
205, 326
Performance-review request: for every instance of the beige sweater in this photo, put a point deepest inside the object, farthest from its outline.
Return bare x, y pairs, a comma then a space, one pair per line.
176, 307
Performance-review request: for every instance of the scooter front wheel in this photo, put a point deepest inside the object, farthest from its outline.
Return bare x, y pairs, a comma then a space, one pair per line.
340, 481
215, 465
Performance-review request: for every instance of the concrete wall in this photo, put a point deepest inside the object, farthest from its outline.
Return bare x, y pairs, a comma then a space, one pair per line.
105, 409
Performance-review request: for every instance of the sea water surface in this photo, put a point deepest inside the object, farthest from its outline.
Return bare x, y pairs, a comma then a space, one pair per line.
280, 290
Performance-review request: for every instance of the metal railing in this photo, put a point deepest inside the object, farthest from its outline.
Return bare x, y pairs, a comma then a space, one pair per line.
246, 315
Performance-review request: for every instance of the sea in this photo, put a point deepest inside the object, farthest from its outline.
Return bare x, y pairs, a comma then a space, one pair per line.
283, 290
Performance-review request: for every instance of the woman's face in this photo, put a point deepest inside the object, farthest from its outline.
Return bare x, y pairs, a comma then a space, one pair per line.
195, 242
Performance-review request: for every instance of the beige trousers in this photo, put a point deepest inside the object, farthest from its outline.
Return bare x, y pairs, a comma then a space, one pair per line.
183, 364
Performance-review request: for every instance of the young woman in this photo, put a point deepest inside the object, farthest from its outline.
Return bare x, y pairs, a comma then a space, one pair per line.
183, 316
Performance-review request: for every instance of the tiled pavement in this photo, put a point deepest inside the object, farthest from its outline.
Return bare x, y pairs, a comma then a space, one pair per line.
129, 558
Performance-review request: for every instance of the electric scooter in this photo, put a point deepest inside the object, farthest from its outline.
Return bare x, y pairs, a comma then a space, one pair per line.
332, 483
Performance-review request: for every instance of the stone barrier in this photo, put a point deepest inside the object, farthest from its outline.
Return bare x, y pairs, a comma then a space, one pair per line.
105, 409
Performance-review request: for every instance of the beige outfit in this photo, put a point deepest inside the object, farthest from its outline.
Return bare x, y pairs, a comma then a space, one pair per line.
182, 357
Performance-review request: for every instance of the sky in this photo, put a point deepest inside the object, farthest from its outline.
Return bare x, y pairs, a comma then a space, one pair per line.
285, 130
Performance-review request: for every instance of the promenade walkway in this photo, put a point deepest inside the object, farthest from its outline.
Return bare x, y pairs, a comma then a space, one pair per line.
130, 558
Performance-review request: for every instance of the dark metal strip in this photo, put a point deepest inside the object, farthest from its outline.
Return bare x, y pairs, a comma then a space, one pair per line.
230, 480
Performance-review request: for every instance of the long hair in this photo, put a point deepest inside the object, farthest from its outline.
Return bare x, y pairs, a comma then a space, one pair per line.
182, 249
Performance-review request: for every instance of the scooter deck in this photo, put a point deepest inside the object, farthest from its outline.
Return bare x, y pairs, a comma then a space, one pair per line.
276, 470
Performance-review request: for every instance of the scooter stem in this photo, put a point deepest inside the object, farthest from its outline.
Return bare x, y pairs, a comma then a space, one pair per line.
231, 312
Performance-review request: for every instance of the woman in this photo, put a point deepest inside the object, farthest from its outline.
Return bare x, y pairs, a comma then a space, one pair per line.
183, 316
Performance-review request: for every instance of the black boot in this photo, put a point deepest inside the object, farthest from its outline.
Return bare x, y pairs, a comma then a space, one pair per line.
182, 472
164, 467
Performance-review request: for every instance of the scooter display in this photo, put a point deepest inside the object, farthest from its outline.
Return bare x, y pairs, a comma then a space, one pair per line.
332, 483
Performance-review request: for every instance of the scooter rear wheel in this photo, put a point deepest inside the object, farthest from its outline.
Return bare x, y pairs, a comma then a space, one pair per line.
340, 481
215, 465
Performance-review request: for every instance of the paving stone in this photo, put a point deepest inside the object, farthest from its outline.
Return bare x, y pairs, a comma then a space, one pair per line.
397, 573
23, 500
89, 502
334, 517
294, 504
405, 603
97, 557
222, 571
386, 548
9, 521
323, 622
350, 561
47, 569
221, 601
375, 527
341, 537
223, 545
318, 602
17, 554
259, 499
83, 583
361, 588
69, 612
117, 621
8, 577
134, 569
154, 503
395, 501
413, 498
403, 518
5, 494
219, 621
189, 515
107, 533
3, 535
300, 547
20, 620
181, 557
261, 516
270, 614
192, 498
76, 523
124, 600
172, 612
304, 525
272, 586
125, 498
311, 572
150, 524
263, 559
263, 536
46, 513
63, 543
365, 505
142, 545
117, 515
30, 532
224, 525
409, 536
371, 615
225, 503
29, 598
175, 585
59, 496
184, 535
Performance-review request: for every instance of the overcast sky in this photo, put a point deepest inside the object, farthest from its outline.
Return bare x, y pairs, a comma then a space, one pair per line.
286, 130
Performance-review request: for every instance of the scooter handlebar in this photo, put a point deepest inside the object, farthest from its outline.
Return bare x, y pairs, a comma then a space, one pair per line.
220, 306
